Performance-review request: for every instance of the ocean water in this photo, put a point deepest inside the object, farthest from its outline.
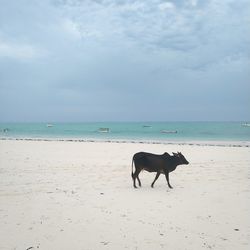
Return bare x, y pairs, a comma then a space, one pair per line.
153, 131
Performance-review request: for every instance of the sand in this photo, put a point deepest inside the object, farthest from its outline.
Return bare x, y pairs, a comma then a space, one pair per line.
79, 195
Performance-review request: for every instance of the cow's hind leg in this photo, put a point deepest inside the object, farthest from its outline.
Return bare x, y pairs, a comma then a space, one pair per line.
156, 177
138, 180
135, 176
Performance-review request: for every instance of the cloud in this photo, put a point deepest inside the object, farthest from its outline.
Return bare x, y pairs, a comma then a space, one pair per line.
193, 2
116, 55
71, 28
166, 6
20, 51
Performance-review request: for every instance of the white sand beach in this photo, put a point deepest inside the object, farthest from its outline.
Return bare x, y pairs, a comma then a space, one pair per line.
79, 195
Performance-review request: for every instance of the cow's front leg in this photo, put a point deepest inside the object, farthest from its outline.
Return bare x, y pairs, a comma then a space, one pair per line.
167, 178
156, 177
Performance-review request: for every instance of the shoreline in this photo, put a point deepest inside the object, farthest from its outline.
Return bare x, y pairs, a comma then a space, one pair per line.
219, 143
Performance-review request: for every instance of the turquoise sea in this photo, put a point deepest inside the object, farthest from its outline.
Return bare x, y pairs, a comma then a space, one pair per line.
153, 131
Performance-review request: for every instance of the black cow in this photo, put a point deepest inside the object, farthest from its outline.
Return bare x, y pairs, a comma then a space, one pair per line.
162, 164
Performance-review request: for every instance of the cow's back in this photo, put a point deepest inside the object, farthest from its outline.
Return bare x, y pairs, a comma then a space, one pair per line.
148, 161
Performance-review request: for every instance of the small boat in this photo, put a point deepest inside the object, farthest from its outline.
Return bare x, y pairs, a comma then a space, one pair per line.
49, 125
169, 131
246, 124
103, 130
147, 126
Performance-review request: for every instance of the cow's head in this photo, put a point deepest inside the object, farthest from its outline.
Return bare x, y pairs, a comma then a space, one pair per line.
181, 158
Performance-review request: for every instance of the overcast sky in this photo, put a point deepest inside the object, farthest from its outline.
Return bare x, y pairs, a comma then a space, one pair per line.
117, 60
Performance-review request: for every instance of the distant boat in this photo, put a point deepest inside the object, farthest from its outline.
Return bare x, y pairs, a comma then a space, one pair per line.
49, 125
5, 130
246, 124
169, 131
147, 126
103, 130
